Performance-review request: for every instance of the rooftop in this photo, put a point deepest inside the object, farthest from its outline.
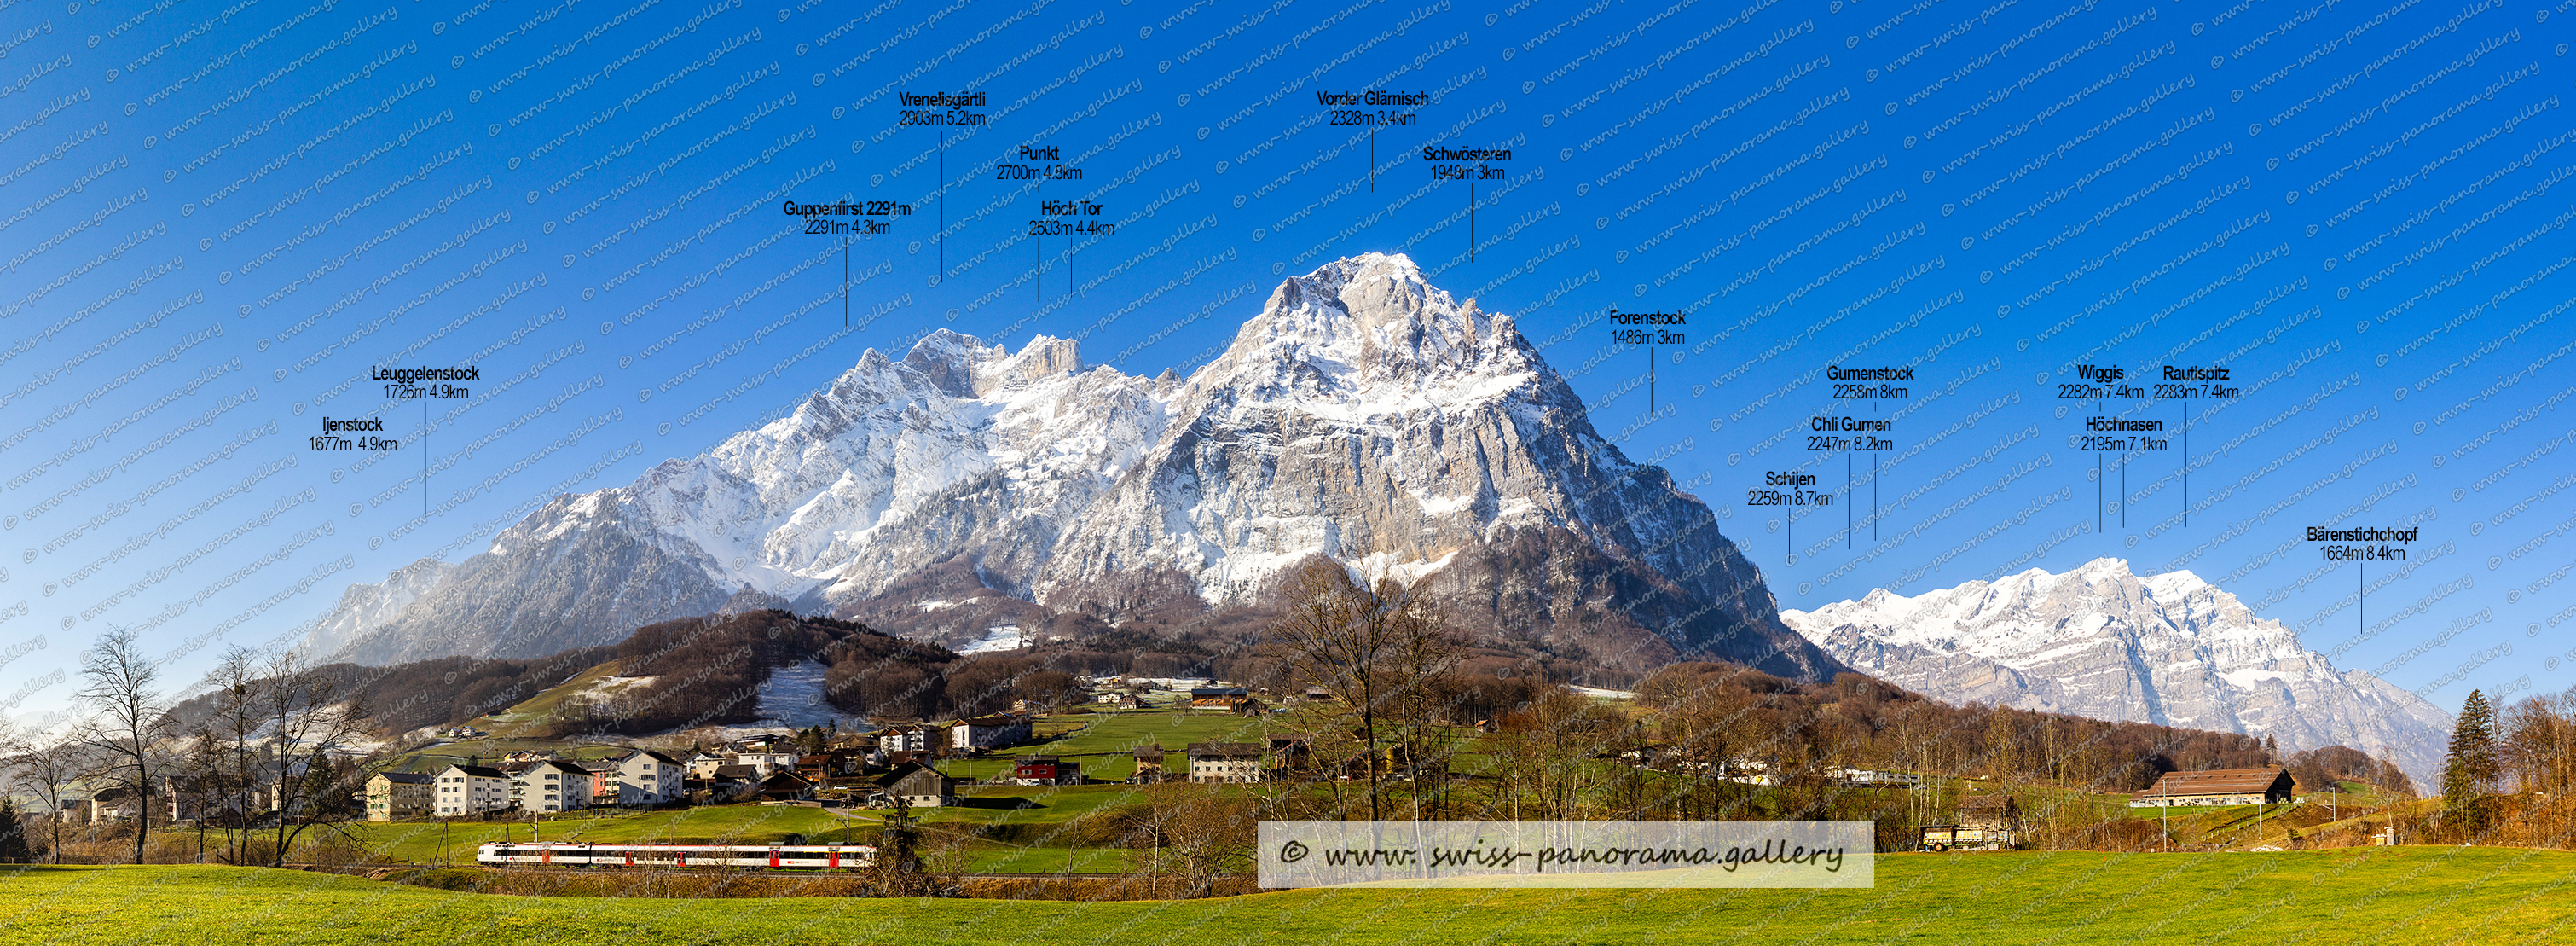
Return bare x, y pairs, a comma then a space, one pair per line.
2215, 782
1227, 750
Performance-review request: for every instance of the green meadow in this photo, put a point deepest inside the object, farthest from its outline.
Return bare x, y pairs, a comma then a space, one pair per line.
2400, 895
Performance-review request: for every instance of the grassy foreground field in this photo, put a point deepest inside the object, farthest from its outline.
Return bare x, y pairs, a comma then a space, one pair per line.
2375, 895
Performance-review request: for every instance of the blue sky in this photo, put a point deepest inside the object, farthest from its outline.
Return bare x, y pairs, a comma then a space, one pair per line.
222, 218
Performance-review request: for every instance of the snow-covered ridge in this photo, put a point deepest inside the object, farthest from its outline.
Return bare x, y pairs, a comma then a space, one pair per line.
1363, 415
815, 501
2102, 642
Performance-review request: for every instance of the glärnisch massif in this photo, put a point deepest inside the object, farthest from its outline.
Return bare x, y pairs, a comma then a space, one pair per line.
969, 495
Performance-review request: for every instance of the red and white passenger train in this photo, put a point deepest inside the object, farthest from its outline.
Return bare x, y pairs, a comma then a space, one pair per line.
780, 856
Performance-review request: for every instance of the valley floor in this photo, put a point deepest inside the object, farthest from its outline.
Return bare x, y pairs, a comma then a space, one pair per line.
2396, 895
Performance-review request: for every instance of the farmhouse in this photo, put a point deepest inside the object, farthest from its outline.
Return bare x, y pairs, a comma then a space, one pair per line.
1047, 770
392, 795
785, 786
114, 804
1292, 753
1230, 699
919, 785
2255, 786
1149, 765
822, 767
728, 783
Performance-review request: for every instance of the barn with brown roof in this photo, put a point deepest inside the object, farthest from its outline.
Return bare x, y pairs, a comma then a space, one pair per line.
2255, 786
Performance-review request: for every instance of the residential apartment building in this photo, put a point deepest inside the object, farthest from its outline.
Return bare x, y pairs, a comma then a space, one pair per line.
551, 785
645, 777
988, 732
1226, 761
392, 795
471, 789
767, 762
912, 738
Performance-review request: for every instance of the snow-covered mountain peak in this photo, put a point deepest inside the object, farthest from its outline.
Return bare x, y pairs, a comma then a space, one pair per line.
1364, 294
962, 365
2029, 612
1043, 358
1367, 336
948, 360
1363, 415
2102, 641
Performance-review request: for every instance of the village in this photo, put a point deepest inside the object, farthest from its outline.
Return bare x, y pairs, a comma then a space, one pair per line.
872, 768
1131, 745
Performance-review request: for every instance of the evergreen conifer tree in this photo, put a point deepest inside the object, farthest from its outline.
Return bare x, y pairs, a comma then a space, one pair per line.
2472, 767
13, 835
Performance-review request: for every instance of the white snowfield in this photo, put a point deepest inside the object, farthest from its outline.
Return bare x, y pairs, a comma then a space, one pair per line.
2101, 642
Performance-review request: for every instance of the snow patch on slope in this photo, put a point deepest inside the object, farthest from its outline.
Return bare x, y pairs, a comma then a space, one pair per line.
793, 696
997, 638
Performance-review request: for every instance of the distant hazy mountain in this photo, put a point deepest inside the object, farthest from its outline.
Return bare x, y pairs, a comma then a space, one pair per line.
2104, 643
964, 491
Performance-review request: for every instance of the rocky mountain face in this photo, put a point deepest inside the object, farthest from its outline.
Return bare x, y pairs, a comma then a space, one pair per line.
2101, 642
965, 493
365, 610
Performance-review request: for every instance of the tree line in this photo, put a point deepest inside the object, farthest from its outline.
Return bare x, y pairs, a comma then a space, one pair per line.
2509, 774
265, 754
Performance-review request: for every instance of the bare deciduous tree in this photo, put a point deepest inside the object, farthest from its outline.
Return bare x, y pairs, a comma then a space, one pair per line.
1199, 835
45, 769
308, 718
1373, 649
1543, 750
120, 683
2540, 743
230, 753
